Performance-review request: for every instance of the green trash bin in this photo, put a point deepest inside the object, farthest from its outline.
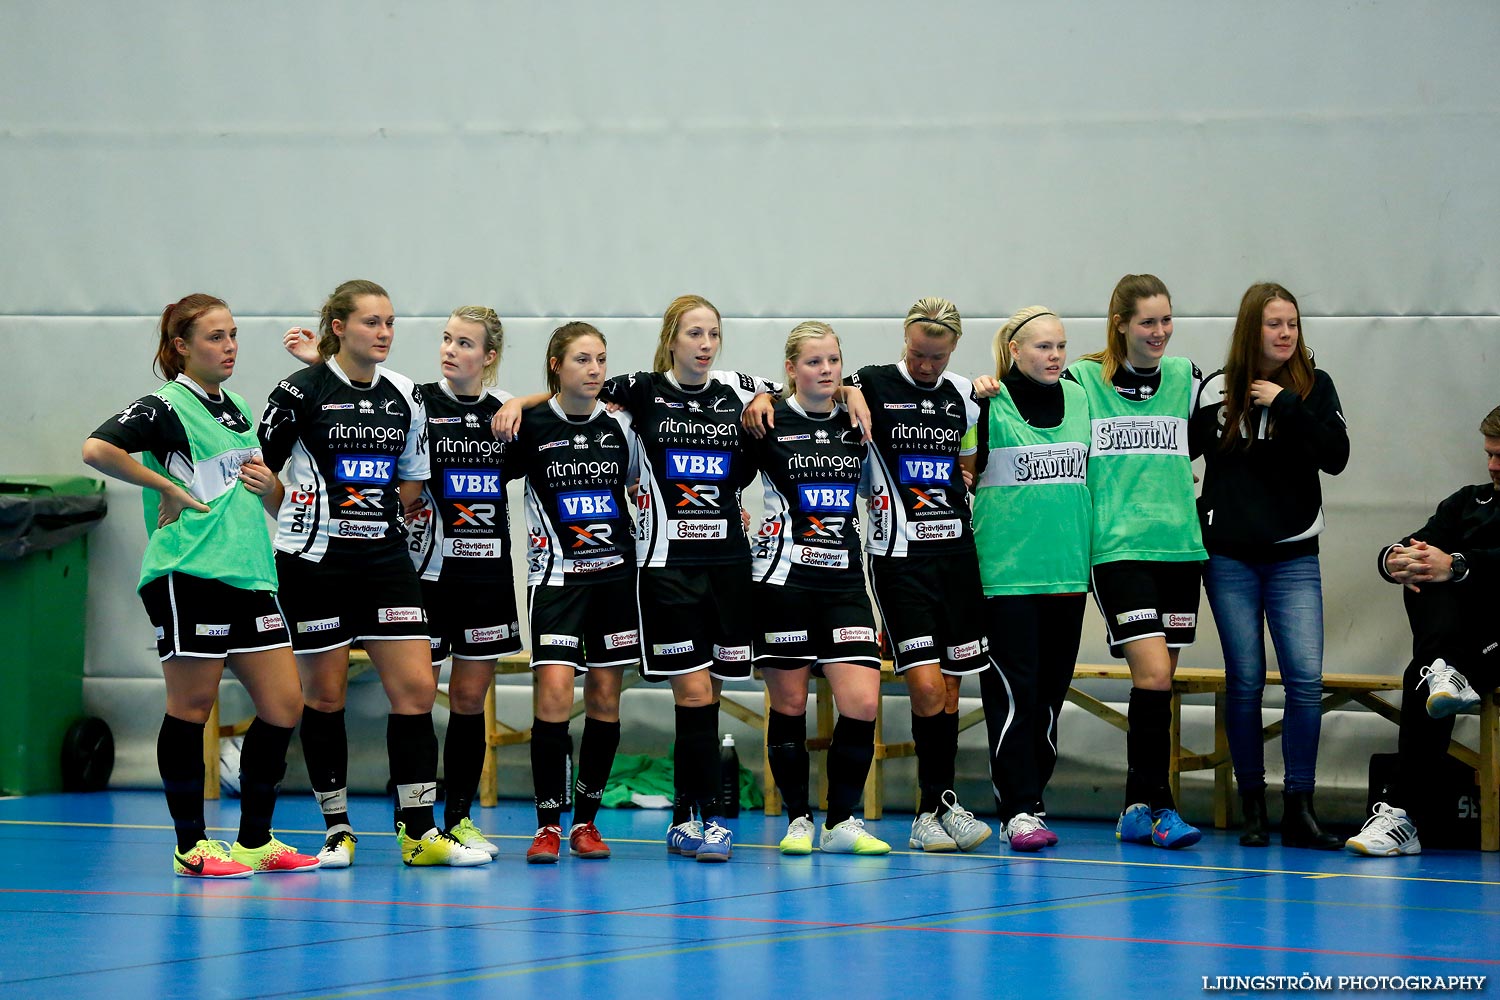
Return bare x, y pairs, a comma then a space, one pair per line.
44, 580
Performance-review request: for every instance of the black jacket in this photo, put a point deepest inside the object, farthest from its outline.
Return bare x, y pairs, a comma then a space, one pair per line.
1467, 522
1263, 503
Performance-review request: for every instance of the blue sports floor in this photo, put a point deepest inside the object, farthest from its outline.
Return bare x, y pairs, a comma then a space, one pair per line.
89, 908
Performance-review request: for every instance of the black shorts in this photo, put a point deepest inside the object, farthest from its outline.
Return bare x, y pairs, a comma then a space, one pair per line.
209, 619
797, 627
695, 618
328, 606
1140, 600
585, 625
471, 618
932, 609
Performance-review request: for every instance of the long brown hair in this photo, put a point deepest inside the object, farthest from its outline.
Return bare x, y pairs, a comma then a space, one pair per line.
1130, 291
562, 339
671, 319
340, 306
177, 321
1243, 364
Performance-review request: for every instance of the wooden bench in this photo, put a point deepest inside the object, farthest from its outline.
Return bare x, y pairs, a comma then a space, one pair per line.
1338, 690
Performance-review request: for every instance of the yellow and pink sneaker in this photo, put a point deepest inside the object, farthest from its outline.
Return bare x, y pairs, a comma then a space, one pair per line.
208, 859
273, 856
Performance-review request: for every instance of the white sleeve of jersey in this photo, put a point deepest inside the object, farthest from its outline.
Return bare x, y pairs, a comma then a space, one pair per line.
414, 464
633, 471
1197, 388
747, 387
502, 395
971, 408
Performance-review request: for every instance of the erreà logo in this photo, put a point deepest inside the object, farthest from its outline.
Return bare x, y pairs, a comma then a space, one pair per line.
358, 469
698, 464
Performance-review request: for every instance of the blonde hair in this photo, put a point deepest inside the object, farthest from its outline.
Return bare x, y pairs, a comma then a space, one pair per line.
494, 336
807, 330
935, 317
557, 346
340, 306
671, 319
1129, 293
1007, 333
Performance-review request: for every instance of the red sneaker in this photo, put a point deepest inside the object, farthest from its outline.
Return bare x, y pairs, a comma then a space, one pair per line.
545, 846
584, 842
208, 859
273, 856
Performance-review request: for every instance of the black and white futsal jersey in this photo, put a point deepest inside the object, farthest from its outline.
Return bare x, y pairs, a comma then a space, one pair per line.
463, 528
693, 465
810, 468
341, 448
578, 526
150, 425
917, 500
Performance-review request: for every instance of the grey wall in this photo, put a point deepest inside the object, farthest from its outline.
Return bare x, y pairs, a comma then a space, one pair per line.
789, 161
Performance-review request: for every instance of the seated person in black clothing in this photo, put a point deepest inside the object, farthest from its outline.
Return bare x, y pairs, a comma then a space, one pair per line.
1450, 568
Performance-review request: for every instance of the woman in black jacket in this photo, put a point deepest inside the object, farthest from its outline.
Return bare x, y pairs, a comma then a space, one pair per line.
1267, 424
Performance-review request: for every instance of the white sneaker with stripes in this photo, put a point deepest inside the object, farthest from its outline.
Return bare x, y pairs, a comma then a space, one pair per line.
1386, 834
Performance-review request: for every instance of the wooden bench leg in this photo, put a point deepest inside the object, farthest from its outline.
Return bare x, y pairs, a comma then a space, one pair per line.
825, 732
489, 775
1224, 772
1489, 773
773, 794
211, 754
875, 779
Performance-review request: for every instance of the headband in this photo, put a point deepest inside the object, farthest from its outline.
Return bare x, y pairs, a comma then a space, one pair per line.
1023, 322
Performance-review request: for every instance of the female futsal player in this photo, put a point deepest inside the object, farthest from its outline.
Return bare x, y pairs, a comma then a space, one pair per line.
208, 582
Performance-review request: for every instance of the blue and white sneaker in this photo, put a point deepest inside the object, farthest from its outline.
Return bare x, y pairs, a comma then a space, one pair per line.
1134, 826
685, 838
1171, 831
718, 842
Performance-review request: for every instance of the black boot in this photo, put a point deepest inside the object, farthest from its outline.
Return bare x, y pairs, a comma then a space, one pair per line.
1253, 830
1299, 824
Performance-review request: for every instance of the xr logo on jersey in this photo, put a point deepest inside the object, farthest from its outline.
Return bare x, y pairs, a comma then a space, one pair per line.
930, 499
593, 536
363, 499
698, 495
478, 514
829, 527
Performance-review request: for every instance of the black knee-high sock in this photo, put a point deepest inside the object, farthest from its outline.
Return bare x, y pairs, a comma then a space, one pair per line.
550, 744
412, 748
696, 757
325, 747
849, 756
786, 746
926, 735
596, 755
1148, 745
262, 766
463, 760
179, 758
936, 740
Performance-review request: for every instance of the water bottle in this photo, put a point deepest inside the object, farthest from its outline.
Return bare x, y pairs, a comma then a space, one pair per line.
729, 778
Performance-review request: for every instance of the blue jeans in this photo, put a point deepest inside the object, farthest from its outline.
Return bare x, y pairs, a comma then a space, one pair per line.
1287, 595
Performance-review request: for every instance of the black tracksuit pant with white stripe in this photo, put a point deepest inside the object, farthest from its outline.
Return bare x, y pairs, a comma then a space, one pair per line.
1033, 647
